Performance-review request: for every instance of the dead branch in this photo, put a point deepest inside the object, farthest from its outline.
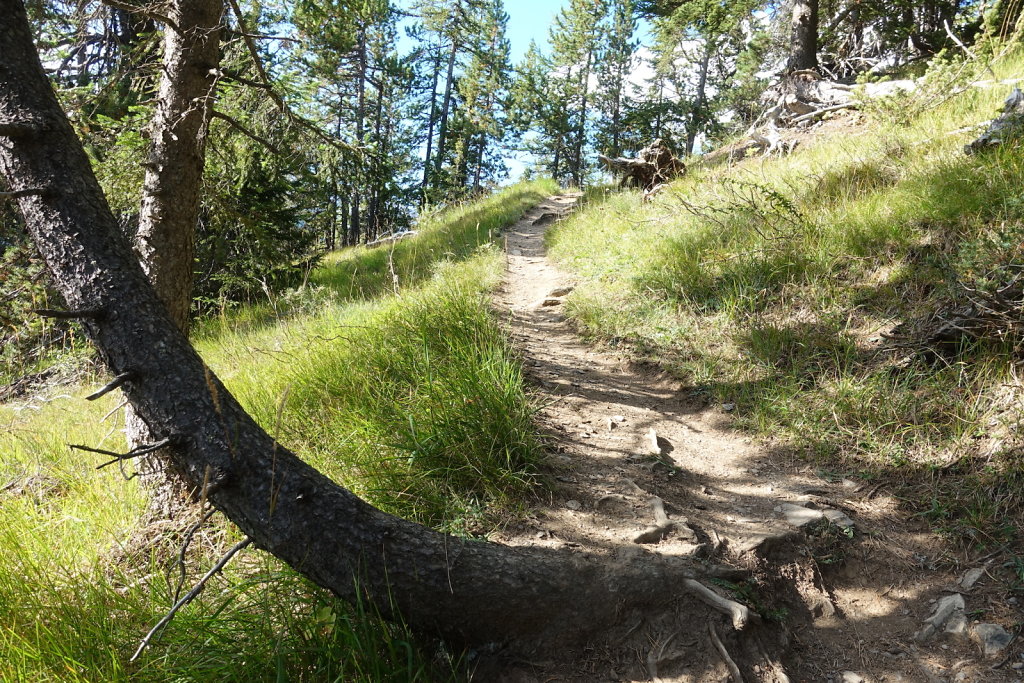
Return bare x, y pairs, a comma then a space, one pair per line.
121, 457
191, 595
110, 386
93, 313
824, 110
179, 563
246, 132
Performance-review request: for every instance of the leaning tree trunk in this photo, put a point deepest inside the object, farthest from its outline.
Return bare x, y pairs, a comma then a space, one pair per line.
467, 591
804, 38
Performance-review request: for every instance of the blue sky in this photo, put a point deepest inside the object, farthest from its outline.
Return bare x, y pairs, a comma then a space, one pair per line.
529, 20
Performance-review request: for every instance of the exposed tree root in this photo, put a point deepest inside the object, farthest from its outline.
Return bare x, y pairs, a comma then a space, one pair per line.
741, 614
734, 670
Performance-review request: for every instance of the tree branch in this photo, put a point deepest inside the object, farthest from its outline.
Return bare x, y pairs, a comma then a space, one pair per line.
27, 192
144, 11
93, 313
120, 457
113, 384
191, 595
246, 132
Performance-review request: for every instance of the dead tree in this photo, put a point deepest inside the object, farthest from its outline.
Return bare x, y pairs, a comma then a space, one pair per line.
467, 591
656, 164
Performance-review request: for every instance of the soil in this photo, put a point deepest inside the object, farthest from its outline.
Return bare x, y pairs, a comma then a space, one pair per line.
840, 604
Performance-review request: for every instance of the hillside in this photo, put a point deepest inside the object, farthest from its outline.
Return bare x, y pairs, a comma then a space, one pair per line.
768, 416
387, 371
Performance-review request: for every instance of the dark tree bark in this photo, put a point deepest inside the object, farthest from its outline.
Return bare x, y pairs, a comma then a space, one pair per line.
804, 38
468, 591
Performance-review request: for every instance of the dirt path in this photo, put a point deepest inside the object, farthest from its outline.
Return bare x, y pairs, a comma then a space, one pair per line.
851, 598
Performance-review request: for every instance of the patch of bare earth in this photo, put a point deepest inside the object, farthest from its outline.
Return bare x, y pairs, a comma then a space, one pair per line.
842, 579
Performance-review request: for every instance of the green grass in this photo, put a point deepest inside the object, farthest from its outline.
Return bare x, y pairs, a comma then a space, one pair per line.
769, 284
412, 398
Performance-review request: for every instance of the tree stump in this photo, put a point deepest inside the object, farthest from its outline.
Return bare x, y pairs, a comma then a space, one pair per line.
656, 164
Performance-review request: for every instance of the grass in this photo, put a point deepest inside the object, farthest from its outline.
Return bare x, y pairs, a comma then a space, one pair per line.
408, 394
770, 284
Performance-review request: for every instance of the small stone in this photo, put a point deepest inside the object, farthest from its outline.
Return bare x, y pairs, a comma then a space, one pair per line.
945, 609
1017, 666
728, 407
652, 442
992, 638
551, 302
851, 677
971, 577
561, 291
799, 516
838, 518
617, 419
957, 624
573, 504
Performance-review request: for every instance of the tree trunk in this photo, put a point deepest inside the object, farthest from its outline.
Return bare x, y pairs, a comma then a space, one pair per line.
697, 115
169, 212
442, 131
467, 591
165, 240
804, 38
430, 128
581, 129
354, 225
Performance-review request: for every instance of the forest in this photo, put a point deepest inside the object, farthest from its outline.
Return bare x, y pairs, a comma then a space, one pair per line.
416, 340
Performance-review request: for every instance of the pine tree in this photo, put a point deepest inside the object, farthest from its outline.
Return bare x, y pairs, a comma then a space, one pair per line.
575, 37
614, 64
482, 90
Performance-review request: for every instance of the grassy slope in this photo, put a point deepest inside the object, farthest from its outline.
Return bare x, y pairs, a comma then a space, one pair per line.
408, 393
769, 285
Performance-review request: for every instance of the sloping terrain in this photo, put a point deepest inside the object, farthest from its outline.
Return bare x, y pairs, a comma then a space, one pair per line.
831, 563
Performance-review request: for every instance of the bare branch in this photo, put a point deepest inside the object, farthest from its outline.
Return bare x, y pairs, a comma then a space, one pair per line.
93, 313
180, 562
113, 384
121, 457
191, 595
27, 192
17, 129
148, 11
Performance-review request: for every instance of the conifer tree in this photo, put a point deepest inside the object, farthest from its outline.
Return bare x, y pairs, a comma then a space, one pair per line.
575, 37
614, 64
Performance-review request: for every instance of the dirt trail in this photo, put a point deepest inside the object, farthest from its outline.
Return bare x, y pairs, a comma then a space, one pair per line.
625, 437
